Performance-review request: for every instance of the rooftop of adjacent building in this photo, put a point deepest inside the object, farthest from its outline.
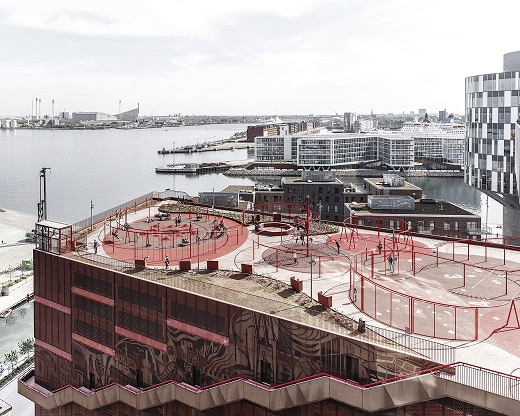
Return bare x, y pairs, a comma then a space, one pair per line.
423, 207
393, 182
295, 180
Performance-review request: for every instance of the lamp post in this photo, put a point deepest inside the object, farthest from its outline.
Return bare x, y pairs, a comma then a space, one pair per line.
310, 262
91, 210
319, 208
198, 252
213, 200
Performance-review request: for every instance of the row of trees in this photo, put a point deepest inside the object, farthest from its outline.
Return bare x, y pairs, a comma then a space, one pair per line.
11, 359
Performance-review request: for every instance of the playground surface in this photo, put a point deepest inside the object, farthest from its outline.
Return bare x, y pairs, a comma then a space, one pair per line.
456, 292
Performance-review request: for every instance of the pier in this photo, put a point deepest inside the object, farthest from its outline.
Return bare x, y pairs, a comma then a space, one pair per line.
201, 168
210, 147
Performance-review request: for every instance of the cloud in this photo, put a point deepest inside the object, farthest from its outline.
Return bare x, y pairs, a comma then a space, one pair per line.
198, 19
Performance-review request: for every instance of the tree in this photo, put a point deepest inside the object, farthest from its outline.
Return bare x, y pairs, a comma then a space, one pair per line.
11, 359
26, 347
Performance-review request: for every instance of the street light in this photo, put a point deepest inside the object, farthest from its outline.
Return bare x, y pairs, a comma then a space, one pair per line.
319, 208
91, 209
198, 252
311, 274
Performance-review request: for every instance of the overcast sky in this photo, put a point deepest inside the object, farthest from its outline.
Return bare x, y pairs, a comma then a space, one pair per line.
249, 57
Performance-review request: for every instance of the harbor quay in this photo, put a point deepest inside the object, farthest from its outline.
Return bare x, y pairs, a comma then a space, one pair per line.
168, 306
17, 325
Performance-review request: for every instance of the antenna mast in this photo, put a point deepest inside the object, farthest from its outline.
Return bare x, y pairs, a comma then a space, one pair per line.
42, 205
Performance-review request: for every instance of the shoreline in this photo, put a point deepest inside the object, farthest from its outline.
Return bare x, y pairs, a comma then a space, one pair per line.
280, 173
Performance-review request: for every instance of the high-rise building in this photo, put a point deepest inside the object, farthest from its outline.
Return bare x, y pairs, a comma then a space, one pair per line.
349, 119
492, 102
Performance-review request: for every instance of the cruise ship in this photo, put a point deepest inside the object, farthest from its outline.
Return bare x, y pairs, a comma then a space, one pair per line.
419, 126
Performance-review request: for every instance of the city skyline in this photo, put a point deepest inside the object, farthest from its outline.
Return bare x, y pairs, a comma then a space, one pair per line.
227, 58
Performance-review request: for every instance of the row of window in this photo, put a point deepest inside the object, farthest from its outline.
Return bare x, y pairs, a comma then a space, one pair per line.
139, 298
94, 285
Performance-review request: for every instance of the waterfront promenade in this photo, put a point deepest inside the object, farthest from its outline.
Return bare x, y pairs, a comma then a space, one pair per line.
14, 249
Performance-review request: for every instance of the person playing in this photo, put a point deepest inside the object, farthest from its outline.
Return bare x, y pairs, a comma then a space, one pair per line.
95, 246
379, 247
391, 262
166, 262
337, 245
295, 258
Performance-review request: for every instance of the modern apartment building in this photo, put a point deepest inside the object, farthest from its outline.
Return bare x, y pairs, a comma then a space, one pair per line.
275, 129
493, 137
442, 148
396, 151
348, 121
337, 150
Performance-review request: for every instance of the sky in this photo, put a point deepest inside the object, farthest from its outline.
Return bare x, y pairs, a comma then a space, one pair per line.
244, 57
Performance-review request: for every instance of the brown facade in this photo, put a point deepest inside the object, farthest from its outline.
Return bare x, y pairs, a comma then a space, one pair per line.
446, 226
262, 130
95, 326
327, 194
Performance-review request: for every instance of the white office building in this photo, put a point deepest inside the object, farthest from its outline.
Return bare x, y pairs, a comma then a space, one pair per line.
396, 150
493, 134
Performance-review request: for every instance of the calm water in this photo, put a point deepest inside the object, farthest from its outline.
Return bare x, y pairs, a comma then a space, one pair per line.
110, 167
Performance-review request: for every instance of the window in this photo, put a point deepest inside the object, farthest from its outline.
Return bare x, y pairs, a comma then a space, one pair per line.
196, 376
139, 378
446, 226
265, 372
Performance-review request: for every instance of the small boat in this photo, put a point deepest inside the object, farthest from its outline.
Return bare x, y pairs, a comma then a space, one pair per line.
5, 313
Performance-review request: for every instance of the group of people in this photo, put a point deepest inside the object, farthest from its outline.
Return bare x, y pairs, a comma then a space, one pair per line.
218, 227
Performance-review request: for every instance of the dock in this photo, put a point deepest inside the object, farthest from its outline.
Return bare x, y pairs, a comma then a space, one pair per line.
210, 147
201, 168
